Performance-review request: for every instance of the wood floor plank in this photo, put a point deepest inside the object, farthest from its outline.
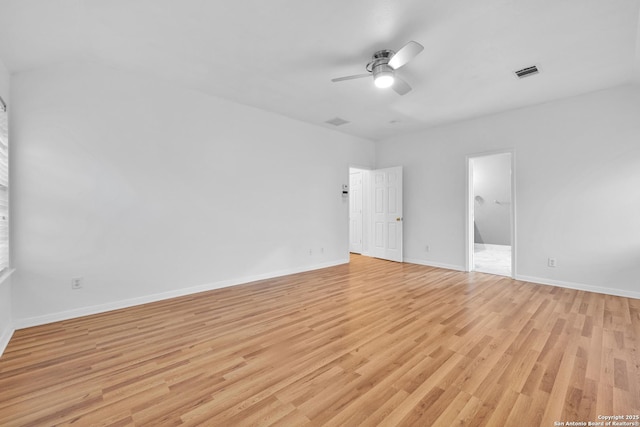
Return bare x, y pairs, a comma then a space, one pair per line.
368, 343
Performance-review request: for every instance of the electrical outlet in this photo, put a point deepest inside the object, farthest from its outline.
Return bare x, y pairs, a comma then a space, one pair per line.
552, 262
76, 283
427, 248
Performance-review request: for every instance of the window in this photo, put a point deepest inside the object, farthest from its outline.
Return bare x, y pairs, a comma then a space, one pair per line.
4, 187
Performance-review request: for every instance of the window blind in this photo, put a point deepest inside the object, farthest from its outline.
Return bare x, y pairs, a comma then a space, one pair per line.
4, 187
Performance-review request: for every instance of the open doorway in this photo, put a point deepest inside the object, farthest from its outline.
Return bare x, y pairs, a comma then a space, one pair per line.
490, 231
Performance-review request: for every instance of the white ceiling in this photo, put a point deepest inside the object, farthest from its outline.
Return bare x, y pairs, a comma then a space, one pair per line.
280, 55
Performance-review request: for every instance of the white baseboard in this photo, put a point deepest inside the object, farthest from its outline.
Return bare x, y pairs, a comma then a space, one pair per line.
541, 281
5, 338
117, 305
580, 286
434, 264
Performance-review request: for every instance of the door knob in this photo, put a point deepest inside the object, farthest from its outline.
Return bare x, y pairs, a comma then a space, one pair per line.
399, 219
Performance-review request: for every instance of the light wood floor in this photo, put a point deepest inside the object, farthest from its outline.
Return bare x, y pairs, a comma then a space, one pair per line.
372, 342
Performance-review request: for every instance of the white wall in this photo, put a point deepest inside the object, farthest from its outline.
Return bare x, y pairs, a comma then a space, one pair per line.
577, 166
146, 191
6, 324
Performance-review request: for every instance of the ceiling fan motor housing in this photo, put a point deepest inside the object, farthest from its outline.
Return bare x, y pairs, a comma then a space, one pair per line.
383, 75
381, 57
381, 68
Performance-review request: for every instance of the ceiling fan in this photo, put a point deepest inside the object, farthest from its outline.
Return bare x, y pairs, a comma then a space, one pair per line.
383, 65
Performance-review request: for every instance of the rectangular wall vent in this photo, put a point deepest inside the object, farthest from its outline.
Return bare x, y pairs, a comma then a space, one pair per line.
525, 72
337, 121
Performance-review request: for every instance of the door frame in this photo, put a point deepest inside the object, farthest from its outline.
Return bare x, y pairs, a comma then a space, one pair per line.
368, 210
361, 229
469, 208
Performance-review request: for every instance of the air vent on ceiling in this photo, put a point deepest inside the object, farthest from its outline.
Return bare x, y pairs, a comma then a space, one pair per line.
337, 121
526, 72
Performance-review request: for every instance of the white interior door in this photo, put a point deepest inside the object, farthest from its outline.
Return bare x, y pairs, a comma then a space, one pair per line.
386, 186
355, 211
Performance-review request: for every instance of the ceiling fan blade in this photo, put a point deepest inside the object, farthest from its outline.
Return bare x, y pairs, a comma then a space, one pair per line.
357, 76
405, 54
400, 86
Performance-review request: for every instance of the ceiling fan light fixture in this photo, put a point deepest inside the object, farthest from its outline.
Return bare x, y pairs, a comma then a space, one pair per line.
384, 80
383, 76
